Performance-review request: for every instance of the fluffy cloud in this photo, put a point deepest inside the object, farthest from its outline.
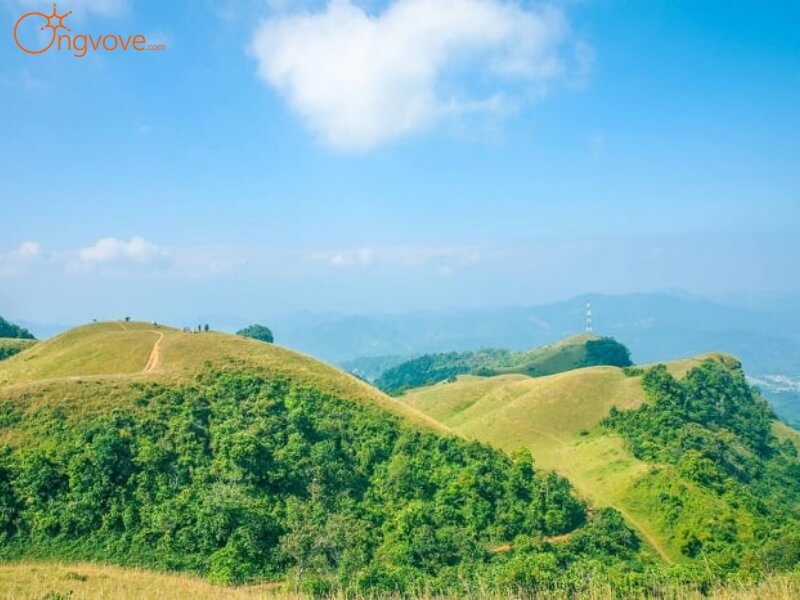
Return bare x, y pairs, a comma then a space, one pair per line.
139, 256
359, 80
137, 250
17, 261
136, 257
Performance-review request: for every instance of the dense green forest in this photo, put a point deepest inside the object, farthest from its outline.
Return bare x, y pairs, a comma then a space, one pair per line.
238, 477
713, 433
573, 353
434, 368
10, 330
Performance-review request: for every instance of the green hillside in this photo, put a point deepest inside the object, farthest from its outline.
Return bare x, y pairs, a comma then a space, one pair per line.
573, 353
564, 420
113, 355
240, 461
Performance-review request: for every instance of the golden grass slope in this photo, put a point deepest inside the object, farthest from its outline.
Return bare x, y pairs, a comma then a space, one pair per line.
96, 363
556, 418
54, 581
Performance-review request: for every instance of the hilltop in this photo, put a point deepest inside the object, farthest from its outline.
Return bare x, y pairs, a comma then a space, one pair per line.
237, 460
117, 353
580, 424
572, 353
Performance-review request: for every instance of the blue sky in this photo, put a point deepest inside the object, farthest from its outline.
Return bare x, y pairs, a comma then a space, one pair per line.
388, 156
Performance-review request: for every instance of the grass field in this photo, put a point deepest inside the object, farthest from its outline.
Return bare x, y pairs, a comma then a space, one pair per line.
93, 365
53, 581
556, 417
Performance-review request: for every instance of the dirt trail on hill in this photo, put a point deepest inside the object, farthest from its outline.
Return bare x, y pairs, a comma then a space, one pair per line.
155, 355
598, 499
645, 534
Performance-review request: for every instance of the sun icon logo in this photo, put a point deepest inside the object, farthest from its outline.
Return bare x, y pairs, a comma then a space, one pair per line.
53, 22
56, 21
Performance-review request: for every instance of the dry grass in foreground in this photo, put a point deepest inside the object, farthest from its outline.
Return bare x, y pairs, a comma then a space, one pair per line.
52, 581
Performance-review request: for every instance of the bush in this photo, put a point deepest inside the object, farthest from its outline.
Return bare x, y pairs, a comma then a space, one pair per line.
257, 332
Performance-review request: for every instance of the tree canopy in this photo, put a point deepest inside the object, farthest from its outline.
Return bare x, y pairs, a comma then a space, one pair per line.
10, 330
257, 332
240, 478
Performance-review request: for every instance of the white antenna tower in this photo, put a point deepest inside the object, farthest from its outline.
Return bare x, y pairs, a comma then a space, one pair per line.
589, 317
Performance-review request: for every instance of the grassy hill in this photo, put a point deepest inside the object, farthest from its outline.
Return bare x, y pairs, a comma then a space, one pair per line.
572, 353
559, 418
239, 461
112, 355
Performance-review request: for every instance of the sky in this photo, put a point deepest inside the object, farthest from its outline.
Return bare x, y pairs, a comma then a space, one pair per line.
393, 155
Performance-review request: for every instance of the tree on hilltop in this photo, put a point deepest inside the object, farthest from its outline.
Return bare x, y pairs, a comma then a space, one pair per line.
257, 332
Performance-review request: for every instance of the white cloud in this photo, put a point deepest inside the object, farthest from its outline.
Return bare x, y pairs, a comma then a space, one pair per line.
136, 257
110, 250
140, 257
442, 257
359, 79
18, 261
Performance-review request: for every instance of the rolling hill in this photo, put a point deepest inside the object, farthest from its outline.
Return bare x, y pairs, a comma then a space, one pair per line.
572, 353
563, 420
145, 446
110, 354
656, 327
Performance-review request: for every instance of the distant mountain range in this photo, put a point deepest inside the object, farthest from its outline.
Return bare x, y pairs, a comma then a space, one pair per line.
655, 327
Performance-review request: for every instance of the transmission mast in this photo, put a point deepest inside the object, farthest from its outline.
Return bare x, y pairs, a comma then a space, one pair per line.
589, 317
